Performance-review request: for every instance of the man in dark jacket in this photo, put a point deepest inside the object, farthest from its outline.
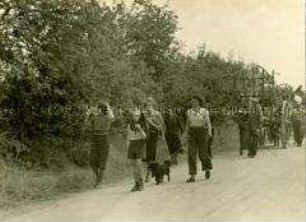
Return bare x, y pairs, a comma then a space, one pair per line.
241, 118
254, 126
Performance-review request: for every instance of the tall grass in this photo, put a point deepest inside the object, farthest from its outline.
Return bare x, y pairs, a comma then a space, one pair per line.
20, 186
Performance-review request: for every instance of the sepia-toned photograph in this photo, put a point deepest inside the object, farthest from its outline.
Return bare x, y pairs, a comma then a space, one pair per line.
152, 110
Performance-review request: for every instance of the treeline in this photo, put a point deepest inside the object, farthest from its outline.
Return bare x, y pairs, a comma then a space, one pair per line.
72, 53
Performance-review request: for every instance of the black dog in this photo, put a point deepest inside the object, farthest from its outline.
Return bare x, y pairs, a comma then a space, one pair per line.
160, 170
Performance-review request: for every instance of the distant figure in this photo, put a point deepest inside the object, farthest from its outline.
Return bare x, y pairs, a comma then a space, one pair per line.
100, 124
174, 130
275, 125
197, 132
214, 118
136, 138
254, 127
298, 123
298, 118
285, 122
242, 120
263, 126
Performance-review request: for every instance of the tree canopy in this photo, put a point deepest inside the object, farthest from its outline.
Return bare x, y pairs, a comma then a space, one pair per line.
59, 56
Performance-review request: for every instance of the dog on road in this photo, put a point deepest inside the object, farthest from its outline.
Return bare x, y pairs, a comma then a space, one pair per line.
160, 170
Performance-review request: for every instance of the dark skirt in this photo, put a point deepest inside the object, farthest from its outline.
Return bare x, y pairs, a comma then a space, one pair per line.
137, 149
152, 143
298, 131
174, 142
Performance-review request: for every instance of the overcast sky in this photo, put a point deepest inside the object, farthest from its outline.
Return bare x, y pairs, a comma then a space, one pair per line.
268, 32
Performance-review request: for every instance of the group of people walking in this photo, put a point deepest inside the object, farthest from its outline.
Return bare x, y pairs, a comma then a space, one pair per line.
250, 121
288, 118
153, 137
274, 123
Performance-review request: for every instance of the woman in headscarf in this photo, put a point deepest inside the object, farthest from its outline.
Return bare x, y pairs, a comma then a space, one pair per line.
156, 129
174, 130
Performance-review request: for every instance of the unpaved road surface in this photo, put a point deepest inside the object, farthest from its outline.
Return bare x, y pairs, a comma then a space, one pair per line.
271, 186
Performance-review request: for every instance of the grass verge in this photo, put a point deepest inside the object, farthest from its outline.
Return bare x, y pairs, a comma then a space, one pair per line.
19, 187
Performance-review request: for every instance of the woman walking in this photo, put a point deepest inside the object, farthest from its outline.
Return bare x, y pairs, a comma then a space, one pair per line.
174, 130
136, 138
197, 133
156, 128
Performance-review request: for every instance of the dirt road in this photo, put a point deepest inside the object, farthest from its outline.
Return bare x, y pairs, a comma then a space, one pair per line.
271, 186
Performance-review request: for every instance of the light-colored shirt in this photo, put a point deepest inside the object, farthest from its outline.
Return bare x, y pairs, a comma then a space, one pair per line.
156, 118
198, 118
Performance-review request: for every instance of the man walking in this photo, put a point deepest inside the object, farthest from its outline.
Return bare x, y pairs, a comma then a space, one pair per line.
242, 121
100, 124
285, 123
254, 127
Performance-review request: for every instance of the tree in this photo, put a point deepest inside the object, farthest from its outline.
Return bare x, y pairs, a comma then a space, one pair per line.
150, 33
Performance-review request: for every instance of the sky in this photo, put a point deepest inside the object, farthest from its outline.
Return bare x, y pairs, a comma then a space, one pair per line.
270, 33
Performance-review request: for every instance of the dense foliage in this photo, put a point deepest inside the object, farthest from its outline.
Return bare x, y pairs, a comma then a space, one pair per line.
58, 57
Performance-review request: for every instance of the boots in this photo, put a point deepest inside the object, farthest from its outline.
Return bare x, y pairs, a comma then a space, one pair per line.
147, 179
99, 178
174, 159
207, 174
141, 185
191, 179
136, 187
